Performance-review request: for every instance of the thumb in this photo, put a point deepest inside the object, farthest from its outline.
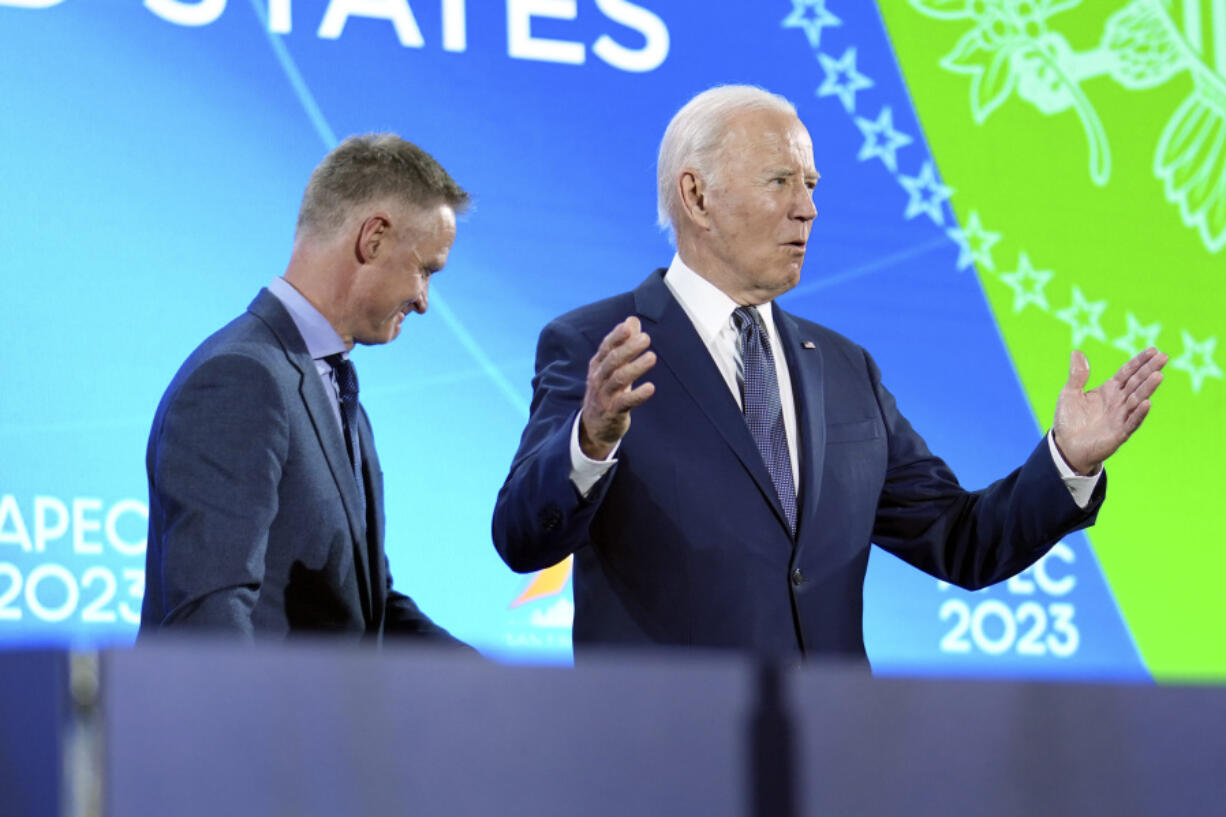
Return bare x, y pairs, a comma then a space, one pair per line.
1078, 371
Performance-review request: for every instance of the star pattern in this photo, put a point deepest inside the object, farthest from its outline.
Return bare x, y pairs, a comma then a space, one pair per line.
974, 243
1027, 284
842, 78
916, 187
812, 16
1138, 337
1084, 317
881, 140
1197, 360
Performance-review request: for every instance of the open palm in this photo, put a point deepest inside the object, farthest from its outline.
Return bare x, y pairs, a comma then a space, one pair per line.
1091, 425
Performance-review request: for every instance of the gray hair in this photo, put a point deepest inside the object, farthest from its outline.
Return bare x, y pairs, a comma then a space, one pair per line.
696, 133
370, 167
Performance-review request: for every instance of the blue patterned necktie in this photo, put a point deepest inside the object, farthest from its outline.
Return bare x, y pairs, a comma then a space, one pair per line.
762, 406
347, 386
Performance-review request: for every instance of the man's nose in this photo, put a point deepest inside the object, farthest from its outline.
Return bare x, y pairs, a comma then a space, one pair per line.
804, 209
423, 300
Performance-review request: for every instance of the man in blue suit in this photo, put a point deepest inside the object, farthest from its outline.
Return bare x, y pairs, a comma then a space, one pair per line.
265, 492
765, 455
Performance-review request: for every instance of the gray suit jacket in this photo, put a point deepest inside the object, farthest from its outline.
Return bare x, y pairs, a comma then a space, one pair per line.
254, 516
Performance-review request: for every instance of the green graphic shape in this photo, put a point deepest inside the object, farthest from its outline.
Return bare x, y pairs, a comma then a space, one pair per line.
1086, 144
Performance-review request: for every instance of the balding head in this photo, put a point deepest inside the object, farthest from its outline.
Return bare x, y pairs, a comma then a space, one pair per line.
695, 136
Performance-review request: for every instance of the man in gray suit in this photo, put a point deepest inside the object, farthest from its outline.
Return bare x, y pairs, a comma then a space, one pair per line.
265, 492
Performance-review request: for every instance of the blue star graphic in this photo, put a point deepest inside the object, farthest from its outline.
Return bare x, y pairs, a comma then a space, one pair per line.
812, 23
881, 140
1197, 360
974, 243
842, 78
1139, 336
1027, 284
917, 186
1083, 317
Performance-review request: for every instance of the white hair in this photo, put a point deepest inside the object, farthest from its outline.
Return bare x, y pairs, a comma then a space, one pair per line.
696, 133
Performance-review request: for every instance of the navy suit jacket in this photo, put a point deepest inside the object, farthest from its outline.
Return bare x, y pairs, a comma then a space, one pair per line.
684, 541
255, 524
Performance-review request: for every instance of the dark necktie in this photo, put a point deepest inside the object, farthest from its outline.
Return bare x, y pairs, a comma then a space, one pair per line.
762, 406
347, 386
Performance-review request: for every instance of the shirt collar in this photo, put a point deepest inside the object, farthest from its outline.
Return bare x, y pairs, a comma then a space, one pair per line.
709, 307
321, 339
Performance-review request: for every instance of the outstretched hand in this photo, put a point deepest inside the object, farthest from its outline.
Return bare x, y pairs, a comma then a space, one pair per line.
623, 357
1091, 425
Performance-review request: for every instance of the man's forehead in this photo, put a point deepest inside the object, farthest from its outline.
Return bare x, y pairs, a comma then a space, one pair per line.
425, 219
768, 131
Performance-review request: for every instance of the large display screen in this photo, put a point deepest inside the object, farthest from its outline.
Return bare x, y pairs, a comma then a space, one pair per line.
1003, 181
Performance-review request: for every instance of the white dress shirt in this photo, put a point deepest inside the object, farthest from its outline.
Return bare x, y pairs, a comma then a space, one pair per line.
321, 339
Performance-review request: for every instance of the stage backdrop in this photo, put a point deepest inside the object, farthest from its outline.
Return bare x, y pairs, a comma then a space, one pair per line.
1002, 181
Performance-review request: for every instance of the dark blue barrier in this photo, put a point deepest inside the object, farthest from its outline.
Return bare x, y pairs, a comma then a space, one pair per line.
201, 728
34, 708
911, 748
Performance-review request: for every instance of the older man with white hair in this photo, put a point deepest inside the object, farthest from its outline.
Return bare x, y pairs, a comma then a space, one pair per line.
765, 454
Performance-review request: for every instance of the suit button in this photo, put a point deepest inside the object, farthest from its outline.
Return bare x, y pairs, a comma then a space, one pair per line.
798, 578
550, 517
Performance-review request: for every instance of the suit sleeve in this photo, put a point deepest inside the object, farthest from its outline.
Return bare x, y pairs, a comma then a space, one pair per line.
969, 538
217, 459
540, 518
404, 619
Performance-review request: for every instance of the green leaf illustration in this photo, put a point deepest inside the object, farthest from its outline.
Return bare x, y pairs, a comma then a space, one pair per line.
1184, 127
943, 9
991, 87
1049, 7
970, 55
1191, 161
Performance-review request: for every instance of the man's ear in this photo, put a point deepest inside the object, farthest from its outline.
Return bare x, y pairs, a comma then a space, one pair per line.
693, 189
371, 237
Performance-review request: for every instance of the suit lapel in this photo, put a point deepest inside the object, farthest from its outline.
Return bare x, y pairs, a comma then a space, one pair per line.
804, 359
327, 431
679, 348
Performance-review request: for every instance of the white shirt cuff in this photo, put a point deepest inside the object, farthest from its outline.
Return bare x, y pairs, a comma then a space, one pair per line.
585, 472
1080, 487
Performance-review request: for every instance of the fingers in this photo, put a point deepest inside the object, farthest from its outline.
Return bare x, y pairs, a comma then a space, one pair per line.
1133, 422
633, 398
1139, 361
1135, 391
1143, 374
1138, 400
1078, 371
622, 358
614, 381
624, 331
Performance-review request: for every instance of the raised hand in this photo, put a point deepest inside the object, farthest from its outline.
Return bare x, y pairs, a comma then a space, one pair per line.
622, 358
1091, 425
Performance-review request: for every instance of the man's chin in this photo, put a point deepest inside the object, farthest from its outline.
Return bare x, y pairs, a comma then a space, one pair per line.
788, 279
378, 340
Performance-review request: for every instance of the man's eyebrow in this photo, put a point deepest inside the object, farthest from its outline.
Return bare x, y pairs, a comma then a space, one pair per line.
787, 173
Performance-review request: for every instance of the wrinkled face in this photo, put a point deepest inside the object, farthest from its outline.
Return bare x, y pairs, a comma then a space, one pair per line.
396, 281
760, 206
